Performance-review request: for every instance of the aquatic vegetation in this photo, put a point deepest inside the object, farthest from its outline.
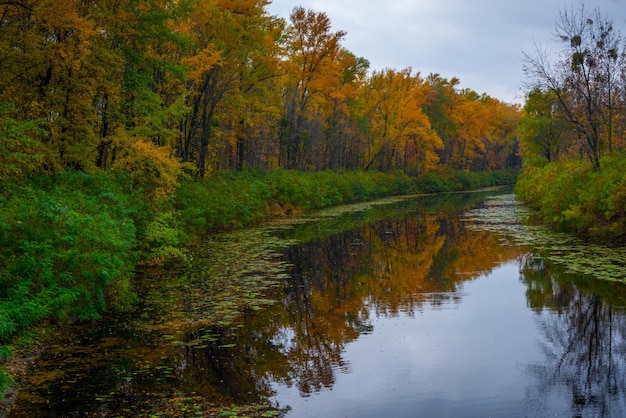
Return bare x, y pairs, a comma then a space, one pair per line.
508, 217
232, 272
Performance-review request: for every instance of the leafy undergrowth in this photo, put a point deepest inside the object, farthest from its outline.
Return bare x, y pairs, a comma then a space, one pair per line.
231, 200
571, 196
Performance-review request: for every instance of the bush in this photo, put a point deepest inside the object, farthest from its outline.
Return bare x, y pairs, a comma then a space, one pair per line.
67, 253
458, 180
225, 200
571, 196
237, 198
164, 240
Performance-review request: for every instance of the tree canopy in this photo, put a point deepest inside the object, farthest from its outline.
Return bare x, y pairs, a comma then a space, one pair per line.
199, 86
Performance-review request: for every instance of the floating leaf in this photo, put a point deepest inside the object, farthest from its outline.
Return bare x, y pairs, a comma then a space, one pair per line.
227, 345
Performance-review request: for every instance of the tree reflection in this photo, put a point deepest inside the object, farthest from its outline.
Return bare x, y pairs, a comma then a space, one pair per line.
318, 289
335, 286
584, 340
396, 265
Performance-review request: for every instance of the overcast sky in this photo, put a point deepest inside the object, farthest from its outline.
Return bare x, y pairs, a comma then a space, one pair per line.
478, 41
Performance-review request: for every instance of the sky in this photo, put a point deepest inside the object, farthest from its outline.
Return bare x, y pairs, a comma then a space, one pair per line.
480, 42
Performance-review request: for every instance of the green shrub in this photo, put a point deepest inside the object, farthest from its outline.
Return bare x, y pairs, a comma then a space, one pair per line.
458, 180
571, 196
164, 240
65, 252
237, 198
225, 200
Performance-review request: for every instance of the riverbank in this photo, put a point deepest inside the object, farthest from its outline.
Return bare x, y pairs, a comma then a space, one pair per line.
72, 244
571, 196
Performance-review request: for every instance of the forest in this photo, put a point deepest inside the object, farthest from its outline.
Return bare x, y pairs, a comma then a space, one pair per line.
129, 127
160, 88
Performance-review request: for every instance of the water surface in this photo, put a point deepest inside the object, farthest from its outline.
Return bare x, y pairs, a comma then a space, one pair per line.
430, 306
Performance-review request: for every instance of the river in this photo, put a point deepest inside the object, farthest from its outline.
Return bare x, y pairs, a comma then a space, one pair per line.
431, 306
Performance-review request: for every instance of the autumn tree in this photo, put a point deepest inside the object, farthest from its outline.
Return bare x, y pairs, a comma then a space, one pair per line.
460, 118
90, 70
151, 40
471, 115
230, 55
341, 144
53, 72
439, 94
478, 131
586, 78
250, 116
226, 86
398, 131
501, 141
312, 52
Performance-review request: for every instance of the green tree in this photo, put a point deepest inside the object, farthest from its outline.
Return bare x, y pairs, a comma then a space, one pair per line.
542, 131
20, 155
586, 79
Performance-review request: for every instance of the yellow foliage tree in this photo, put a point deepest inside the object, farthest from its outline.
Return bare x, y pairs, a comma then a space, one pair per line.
312, 74
151, 167
470, 116
399, 132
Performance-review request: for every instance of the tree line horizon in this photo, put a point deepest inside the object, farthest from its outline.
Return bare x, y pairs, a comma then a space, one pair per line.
159, 88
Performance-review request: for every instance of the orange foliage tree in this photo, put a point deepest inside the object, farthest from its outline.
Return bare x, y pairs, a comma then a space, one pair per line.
228, 86
399, 133
312, 52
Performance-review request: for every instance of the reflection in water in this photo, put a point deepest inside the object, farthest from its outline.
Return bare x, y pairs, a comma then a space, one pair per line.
404, 306
584, 340
403, 265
